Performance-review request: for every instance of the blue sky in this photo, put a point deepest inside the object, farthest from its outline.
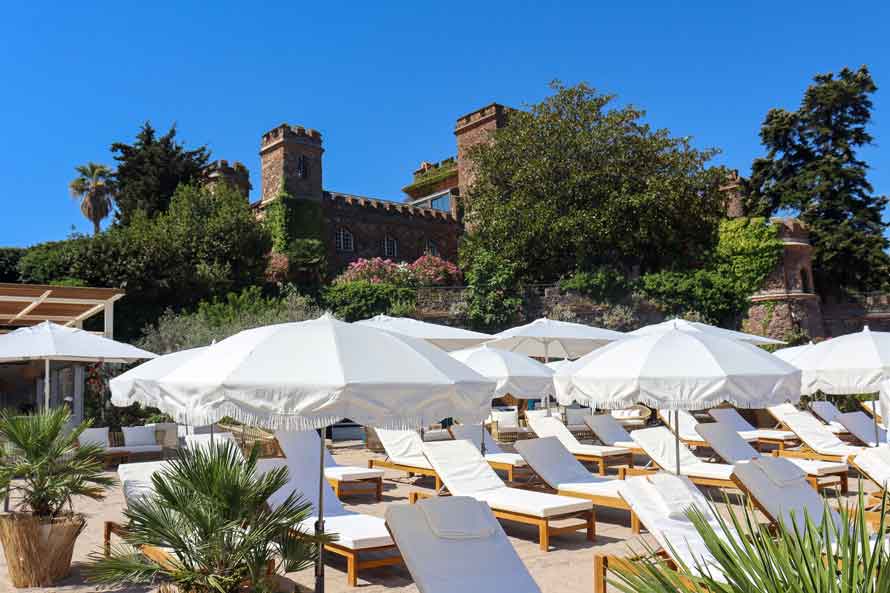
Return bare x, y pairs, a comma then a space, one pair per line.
385, 81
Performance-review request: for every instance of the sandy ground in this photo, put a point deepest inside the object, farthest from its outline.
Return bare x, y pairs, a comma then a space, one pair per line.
566, 568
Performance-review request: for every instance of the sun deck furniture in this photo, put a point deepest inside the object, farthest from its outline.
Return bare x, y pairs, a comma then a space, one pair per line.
730, 417
733, 449
662, 502
132, 441
828, 413
505, 425
302, 446
494, 455
575, 421
869, 407
782, 411
465, 473
862, 427
874, 465
193, 442
602, 456
818, 442
564, 474
135, 479
611, 433
455, 544
660, 445
688, 422
404, 452
779, 490
362, 540
633, 417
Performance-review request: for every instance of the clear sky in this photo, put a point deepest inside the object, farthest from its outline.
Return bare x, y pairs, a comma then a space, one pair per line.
385, 81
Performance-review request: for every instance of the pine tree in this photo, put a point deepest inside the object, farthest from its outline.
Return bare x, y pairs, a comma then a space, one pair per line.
150, 170
812, 169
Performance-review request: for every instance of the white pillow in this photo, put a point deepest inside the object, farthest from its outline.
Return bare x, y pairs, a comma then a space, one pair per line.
94, 436
139, 435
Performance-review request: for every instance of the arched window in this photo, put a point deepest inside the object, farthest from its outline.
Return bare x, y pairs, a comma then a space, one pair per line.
343, 240
390, 247
431, 248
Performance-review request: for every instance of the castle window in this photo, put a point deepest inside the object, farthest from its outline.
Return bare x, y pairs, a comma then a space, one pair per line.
343, 240
442, 203
431, 248
390, 247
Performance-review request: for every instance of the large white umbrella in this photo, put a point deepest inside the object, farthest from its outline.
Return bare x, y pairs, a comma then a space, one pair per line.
853, 363
514, 374
49, 341
678, 370
789, 355
443, 336
141, 384
698, 327
310, 374
548, 338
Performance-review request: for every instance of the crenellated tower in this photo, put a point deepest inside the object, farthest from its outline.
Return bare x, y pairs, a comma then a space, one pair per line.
291, 155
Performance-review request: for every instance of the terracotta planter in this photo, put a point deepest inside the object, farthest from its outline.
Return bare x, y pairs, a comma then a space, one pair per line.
38, 552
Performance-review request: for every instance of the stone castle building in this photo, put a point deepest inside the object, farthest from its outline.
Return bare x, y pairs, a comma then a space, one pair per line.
429, 219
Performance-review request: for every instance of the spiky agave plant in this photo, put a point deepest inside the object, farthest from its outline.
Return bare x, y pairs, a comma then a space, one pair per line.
42, 465
829, 556
208, 510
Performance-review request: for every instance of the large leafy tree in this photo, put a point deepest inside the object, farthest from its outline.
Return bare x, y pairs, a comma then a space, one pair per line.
150, 170
94, 188
575, 182
812, 169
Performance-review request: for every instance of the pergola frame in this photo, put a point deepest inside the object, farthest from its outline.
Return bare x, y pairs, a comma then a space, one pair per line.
22, 305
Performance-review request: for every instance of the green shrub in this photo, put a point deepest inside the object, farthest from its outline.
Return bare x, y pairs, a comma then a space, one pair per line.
361, 299
9, 263
602, 285
494, 300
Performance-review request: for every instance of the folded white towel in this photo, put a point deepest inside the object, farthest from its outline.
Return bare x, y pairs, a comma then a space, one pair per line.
780, 471
676, 497
458, 517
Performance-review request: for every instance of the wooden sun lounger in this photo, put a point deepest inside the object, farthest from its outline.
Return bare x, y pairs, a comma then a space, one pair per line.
411, 470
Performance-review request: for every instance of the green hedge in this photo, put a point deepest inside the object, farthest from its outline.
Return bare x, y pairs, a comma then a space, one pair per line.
360, 299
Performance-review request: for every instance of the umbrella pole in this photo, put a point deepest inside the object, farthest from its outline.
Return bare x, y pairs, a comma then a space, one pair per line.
46, 386
547, 360
874, 416
482, 443
677, 439
319, 524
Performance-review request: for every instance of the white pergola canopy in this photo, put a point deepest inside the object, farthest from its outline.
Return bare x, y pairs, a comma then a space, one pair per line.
23, 305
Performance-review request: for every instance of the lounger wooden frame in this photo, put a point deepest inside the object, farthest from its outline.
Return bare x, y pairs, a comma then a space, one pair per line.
545, 529
411, 470
873, 499
697, 480
363, 486
805, 452
603, 562
604, 461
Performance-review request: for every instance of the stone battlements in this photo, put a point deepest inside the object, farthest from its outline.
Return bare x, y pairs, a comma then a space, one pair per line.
288, 132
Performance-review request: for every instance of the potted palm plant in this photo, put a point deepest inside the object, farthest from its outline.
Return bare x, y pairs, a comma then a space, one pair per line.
205, 527
44, 469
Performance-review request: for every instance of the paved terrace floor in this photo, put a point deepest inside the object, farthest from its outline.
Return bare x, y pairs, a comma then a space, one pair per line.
566, 568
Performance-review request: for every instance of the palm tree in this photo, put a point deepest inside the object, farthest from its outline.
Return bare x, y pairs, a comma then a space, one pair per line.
93, 187
208, 509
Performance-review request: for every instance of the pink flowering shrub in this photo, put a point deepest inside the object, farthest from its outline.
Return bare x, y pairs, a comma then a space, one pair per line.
431, 270
376, 271
428, 270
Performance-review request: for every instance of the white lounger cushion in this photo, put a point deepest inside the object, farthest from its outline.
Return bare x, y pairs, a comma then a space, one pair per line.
136, 478
195, 441
404, 447
465, 473
354, 530
687, 423
442, 565
861, 426
660, 445
135, 449
493, 452
828, 413
551, 427
782, 411
781, 502
94, 436
875, 462
561, 471
304, 445
731, 417
608, 430
817, 436
679, 538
